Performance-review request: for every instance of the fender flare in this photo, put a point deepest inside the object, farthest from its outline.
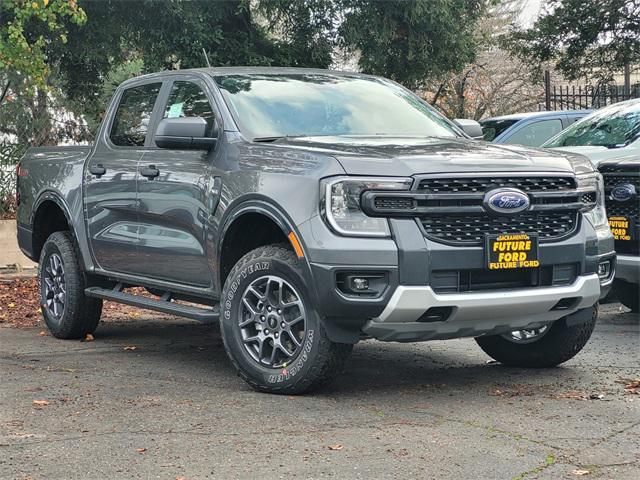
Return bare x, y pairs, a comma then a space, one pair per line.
55, 197
264, 207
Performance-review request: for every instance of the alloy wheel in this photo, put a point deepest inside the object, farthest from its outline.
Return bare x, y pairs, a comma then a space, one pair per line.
272, 321
54, 287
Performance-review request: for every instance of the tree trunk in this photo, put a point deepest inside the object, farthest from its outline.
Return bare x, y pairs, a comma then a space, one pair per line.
5, 91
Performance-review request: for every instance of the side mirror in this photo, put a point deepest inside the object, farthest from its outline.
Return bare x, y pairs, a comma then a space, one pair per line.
184, 133
470, 127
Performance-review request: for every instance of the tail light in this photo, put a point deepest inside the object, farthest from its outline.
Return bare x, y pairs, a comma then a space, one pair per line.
20, 172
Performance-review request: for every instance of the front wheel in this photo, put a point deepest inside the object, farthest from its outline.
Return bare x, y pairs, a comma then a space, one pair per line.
547, 346
270, 328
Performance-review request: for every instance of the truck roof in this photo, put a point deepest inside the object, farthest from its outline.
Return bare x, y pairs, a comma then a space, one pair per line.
545, 113
222, 71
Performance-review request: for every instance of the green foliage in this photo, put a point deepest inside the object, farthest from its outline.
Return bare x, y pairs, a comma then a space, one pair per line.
27, 28
410, 41
584, 38
80, 51
118, 74
10, 155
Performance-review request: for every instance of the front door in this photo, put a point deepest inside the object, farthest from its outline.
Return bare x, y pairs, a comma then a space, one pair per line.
111, 178
173, 193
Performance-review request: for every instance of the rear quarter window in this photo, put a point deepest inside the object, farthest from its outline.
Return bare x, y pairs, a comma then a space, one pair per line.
132, 118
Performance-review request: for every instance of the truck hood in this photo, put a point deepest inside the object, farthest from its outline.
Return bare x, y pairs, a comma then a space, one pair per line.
594, 153
405, 156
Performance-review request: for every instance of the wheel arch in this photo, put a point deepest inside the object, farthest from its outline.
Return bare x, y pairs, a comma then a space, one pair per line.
49, 214
279, 228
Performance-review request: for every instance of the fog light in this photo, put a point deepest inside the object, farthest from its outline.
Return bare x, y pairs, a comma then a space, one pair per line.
359, 283
604, 269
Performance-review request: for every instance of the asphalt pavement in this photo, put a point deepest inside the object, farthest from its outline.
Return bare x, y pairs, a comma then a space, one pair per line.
157, 398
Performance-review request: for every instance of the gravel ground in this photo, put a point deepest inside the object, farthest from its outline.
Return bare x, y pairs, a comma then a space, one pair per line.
157, 398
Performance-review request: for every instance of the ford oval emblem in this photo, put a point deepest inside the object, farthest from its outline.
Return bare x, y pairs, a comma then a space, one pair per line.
623, 193
506, 201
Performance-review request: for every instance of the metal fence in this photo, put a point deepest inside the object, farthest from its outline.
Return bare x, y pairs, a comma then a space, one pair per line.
577, 97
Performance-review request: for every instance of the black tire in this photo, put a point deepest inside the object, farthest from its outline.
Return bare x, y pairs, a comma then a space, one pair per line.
559, 344
628, 294
79, 314
316, 361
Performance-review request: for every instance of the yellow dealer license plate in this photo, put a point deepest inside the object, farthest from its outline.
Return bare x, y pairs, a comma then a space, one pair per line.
621, 227
507, 252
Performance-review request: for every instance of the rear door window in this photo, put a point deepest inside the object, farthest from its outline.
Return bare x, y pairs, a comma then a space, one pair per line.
535, 134
131, 122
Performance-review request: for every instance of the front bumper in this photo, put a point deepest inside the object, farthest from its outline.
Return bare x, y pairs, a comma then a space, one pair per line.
474, 314
413, 266
628, 268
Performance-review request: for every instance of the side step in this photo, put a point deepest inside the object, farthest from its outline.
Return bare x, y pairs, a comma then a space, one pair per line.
163, 304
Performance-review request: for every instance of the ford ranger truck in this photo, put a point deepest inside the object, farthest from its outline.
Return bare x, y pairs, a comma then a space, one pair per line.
622, 189
305, 210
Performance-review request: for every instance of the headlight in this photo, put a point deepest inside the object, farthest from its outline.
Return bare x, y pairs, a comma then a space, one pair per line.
342, 209
590, 182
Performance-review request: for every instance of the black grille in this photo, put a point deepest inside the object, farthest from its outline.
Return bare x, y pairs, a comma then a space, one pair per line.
588, 198
618, 174
471, 229
625, 209
470, 280
483, 184
394, 203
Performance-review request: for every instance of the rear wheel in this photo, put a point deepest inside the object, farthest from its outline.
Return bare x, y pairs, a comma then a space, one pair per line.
628, 294
270, 328
67, 312
546, 346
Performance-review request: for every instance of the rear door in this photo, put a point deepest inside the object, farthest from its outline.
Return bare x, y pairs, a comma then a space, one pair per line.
111, 177
176, 202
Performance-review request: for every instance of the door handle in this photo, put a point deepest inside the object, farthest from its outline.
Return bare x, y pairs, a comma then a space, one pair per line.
150, 172
97, 170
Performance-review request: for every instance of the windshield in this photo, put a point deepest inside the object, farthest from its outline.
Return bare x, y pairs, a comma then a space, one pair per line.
613, 127
278, 105
492, 128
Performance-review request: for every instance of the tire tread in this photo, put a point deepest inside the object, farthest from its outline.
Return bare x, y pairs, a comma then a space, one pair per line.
331, 356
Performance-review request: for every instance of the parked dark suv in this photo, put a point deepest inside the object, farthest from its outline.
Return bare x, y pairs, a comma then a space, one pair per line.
622, 188
306, 210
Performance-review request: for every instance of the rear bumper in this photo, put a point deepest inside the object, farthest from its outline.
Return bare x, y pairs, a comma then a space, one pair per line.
474, 314
25, 242
628, 268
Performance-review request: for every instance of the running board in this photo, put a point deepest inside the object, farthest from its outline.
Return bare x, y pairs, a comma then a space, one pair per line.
163, 304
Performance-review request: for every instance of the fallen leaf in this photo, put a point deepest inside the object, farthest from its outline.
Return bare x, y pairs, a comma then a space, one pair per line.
11, 305
337, 446
631, 386
130, 348
573, 394
581, 471
32, 389
88, 338
43, 333
141, 450
40, 403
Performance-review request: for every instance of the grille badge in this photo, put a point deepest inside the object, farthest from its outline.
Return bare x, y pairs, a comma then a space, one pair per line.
506, 201
623, 193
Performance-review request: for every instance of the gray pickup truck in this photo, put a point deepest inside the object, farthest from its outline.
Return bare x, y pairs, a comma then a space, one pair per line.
305, 210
